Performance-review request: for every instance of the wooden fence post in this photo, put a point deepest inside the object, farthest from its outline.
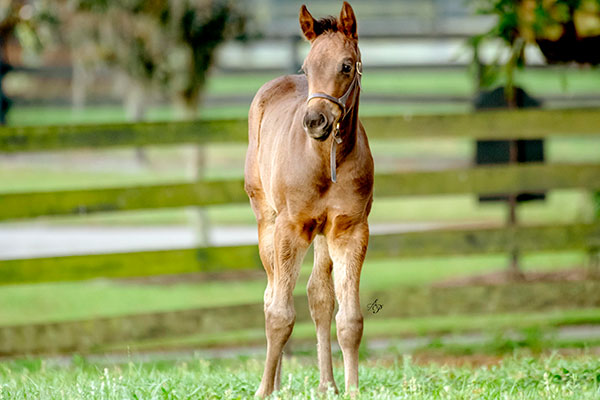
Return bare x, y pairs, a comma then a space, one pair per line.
200, 217
514, 270
5, 103
594, 260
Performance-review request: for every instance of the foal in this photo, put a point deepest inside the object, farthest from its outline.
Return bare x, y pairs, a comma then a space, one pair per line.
309, 177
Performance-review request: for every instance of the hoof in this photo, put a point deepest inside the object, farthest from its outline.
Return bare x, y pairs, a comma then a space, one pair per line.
353, 392
325, 387
262, 393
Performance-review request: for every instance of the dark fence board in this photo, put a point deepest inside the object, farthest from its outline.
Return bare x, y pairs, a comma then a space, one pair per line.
76, 202
60, 137
487, 240
521, 124
122, 265
490, 180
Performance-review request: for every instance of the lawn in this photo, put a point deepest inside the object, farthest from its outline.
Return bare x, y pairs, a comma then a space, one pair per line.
550, 377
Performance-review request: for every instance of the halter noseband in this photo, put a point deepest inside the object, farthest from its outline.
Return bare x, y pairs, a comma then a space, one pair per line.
341, 102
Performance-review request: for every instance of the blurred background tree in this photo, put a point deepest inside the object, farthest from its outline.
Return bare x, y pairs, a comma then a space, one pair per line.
157, 46
10, 17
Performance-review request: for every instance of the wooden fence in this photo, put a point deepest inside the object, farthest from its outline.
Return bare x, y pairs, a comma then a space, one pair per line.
483, 180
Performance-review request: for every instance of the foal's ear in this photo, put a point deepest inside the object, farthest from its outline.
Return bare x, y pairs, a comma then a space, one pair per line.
307, 23
348, 21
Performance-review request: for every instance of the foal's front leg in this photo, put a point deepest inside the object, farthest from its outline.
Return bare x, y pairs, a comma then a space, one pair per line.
321, 300
290, 247
347, 249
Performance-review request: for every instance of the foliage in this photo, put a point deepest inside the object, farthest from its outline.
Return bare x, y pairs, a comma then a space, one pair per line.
9, 16
525, 22
532, 19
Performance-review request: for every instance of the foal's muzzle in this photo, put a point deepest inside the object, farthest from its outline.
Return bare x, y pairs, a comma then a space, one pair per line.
317, 125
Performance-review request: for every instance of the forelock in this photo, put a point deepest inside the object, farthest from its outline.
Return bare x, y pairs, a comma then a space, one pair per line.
327, 24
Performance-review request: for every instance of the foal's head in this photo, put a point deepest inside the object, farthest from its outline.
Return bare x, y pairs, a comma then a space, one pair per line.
332, 68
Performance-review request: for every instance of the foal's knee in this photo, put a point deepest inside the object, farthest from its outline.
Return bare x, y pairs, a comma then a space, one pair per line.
267, 297
349, 329
279, 321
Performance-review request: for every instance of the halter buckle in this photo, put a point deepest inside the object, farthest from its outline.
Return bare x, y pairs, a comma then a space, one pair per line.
336, 133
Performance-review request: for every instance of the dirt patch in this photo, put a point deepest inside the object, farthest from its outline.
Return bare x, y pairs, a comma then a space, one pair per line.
504, 278
472, 360
481, 360
486, 360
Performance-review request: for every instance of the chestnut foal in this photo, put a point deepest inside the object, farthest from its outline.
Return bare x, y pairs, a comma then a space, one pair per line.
309, 176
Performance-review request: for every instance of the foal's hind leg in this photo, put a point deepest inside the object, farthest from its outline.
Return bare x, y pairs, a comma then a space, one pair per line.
289, 248
321, 300
348, 246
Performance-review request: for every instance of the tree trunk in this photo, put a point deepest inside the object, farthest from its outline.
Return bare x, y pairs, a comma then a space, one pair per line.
135, 109
79, 85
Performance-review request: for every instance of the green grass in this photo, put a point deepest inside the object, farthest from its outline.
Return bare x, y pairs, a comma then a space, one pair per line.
54, 115
415, 81
20, 304
524, 378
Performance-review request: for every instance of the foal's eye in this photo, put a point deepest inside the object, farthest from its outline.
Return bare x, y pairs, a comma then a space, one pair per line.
346, 68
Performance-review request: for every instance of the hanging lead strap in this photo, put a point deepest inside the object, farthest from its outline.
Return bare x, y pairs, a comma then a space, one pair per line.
334, 142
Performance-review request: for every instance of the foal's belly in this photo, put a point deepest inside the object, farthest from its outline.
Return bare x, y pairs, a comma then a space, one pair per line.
326, 214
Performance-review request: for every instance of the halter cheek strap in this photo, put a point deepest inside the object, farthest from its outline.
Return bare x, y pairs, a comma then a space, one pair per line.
341, 102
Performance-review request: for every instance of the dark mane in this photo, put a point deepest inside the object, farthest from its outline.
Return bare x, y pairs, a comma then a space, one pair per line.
327, 24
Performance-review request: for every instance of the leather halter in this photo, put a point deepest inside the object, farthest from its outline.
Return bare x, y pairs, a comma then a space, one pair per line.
341, 102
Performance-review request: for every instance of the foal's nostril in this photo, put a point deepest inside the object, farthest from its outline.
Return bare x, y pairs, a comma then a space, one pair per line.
306, 121
315, 121
321, 121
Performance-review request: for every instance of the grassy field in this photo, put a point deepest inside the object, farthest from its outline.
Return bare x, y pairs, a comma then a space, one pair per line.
551, 377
